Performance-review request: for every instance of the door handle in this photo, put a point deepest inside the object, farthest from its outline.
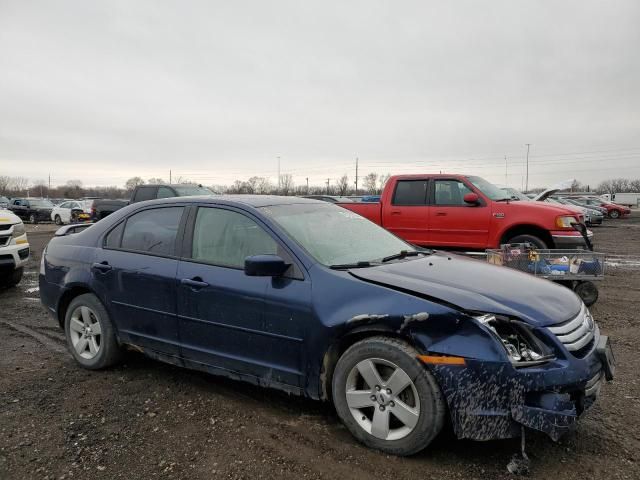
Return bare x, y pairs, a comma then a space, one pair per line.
196, 283
396, 212
104, 267
441, 214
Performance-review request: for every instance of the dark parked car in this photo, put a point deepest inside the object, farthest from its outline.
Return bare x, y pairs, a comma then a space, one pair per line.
33, 210
310, 298
104, 208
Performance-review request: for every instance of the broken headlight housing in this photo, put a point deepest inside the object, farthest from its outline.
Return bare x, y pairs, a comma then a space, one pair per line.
523, 348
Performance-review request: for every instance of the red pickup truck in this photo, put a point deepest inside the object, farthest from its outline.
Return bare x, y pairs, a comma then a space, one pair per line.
463, 211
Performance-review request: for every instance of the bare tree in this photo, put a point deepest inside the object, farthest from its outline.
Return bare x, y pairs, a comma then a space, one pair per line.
155, 181
382, 181
634, 186
369, 182
342, 185
286, 184
133, 182
263, 187
5, 183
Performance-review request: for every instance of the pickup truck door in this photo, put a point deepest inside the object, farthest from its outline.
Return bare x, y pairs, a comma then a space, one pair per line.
231, 322
407, 214
452, 222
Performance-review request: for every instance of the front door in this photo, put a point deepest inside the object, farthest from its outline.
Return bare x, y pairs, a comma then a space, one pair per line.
454, 223
408, 215
135, 274
222, 320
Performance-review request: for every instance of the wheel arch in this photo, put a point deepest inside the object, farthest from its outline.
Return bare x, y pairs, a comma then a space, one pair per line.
527, 229
342, 343
66, 299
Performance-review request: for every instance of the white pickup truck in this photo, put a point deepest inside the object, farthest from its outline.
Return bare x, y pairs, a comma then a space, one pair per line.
14, 249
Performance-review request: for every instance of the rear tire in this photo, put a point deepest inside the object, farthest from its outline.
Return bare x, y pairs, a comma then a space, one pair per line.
58, 220
588, 292
90, 334
411, 416
532, 239
33, 219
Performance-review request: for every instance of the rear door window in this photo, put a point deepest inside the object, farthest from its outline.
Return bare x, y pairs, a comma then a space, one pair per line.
410, 192
145, 193
153, 231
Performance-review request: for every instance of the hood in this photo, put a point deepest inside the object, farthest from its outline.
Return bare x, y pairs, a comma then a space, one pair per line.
478, 286
6, 216
552, 208
564, 185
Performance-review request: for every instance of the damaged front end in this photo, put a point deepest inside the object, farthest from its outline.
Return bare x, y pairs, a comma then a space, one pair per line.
541, 384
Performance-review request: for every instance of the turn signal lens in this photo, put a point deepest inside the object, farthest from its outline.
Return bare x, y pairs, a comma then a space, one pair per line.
442, 360
565, 222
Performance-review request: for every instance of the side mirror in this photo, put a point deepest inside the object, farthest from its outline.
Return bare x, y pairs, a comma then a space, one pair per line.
471, 198
264, 266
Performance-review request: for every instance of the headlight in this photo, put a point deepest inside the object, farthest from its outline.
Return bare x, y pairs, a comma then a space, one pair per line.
565, 222
523, 348
18, 230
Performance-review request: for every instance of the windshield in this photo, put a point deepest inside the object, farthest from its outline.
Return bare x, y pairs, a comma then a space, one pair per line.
489, 189
515, 194
188, 190
41, 203
335, 236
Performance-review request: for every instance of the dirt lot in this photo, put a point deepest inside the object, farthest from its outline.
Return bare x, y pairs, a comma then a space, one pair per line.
145, 419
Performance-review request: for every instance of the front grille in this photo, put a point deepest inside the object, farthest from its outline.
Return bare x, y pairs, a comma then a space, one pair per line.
5, 226
577, 334
5, 241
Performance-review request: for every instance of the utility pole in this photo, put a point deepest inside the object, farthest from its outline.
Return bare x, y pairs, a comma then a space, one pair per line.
527, 184
169, 177
328, 186
356, 175
307, 185
279, 184
49, 189
506, 182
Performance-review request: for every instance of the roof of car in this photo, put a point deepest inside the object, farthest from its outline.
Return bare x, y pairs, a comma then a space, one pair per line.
250, 200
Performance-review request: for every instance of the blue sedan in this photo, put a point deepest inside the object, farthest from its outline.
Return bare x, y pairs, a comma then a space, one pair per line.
310, 298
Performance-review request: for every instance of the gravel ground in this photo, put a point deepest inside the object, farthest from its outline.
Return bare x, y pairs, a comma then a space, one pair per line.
145, 419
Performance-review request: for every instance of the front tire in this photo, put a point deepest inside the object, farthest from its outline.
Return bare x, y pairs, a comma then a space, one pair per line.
532, 239
614, 214
90, 334
386, 398
58, 220
13, 278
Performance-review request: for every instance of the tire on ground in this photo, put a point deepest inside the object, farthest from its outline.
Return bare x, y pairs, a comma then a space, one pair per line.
432, 404
528, 238
110, 351
13, 278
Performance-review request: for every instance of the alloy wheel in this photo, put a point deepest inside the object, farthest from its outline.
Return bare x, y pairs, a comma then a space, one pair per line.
382, 399
86, 332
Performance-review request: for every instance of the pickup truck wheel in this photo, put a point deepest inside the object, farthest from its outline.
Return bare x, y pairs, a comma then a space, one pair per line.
386, 398
614, 214
13, 278
535, 241
58, 220
90, 335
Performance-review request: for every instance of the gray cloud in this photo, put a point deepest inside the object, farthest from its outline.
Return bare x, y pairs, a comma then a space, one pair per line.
216, 90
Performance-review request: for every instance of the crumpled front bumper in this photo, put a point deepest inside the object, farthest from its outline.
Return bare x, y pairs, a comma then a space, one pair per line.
490, 400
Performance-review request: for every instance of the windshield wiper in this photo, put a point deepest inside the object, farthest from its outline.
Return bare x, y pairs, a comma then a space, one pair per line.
504, 200
403, 254
350, 265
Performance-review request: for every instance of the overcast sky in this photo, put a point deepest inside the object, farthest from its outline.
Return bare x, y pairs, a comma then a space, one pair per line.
217, 90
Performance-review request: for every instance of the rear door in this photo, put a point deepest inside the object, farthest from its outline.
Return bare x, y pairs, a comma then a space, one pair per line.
407, 215
454, 223
135, 273
221, 310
